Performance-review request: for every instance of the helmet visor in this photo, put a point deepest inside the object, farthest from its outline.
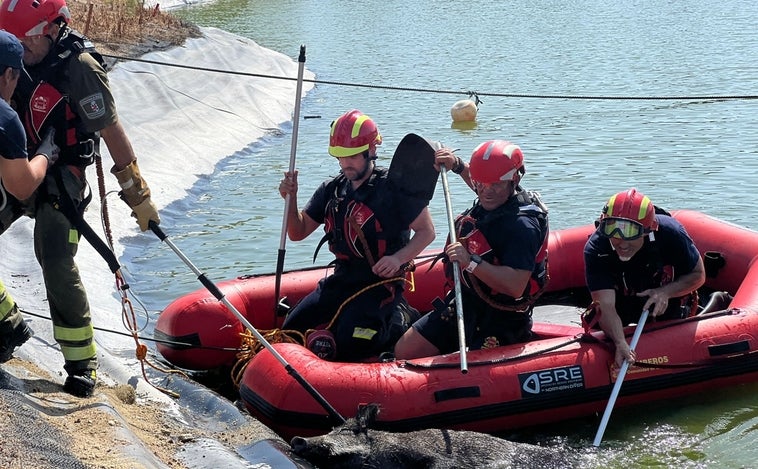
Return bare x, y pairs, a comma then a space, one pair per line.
621, 228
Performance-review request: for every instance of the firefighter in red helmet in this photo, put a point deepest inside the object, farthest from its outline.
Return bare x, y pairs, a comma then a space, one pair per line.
501, 247
66, 89
356, 312
639, 258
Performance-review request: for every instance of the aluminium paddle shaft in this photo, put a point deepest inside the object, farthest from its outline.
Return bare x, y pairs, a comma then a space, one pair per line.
288, 199
215, 291
619, 381
456, 275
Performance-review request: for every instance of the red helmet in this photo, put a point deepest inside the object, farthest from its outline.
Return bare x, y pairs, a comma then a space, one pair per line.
623, 208
496, 160
24, 18
353, 133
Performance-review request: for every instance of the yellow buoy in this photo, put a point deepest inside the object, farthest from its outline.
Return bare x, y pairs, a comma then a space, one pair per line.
463, 111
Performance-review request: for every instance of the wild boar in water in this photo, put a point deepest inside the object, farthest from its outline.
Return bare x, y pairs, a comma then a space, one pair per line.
356, 445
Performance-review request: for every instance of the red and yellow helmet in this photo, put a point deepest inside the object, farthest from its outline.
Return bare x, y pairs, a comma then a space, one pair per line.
353, 133
496, 160
25, 18
627, 215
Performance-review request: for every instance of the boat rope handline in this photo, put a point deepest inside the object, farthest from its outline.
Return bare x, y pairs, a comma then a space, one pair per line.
496, 361
639, 364
150, 339
452, 92
588, 336
695, 364
656, 326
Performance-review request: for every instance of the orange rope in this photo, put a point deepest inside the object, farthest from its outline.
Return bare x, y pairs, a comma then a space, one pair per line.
127, 310
130, 322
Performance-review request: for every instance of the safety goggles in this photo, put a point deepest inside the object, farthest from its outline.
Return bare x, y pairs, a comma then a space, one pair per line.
620, 228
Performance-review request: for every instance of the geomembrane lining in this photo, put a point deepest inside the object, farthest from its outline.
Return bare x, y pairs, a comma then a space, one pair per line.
30, 440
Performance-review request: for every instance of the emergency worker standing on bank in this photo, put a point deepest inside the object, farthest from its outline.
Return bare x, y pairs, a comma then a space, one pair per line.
66, 89
639, 260
19, 178
367, 223
502, 250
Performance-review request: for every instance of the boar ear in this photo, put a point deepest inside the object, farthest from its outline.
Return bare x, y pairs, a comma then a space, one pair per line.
373, 411
366, 416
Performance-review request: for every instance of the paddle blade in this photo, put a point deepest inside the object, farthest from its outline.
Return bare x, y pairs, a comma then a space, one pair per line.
412, 168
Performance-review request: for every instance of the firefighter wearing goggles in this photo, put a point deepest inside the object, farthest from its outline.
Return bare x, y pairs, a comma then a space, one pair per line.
639, 258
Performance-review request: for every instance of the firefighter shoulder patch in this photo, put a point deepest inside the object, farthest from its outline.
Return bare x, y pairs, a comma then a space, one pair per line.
93, 106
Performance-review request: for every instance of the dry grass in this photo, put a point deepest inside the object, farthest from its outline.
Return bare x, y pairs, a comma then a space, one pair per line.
126, 27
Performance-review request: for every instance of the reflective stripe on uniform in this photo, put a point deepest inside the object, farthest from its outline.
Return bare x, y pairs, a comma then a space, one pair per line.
363, 333
75, 354
6, 302
73, 236
76, 343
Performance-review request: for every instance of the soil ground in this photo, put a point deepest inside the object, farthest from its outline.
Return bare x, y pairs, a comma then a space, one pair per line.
124, 28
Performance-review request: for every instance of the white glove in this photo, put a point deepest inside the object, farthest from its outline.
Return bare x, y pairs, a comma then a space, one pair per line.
48, 148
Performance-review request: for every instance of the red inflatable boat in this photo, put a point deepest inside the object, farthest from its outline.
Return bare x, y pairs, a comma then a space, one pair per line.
562, 374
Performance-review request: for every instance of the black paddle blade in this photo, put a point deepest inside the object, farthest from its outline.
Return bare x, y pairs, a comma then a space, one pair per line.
412, 168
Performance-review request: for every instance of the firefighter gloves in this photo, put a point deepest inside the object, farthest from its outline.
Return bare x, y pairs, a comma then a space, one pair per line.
136, 194
48, 148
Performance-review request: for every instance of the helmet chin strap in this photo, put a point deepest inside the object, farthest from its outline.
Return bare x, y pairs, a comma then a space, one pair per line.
62, 26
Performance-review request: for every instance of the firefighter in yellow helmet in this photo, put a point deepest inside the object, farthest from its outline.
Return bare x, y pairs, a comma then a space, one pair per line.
368, 226
66, 89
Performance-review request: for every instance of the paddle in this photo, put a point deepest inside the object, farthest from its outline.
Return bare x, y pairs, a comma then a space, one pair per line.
456, 275
287, 201
619, 381
222, 298
412, 168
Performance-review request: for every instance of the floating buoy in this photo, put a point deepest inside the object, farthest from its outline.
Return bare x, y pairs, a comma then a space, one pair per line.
463, 111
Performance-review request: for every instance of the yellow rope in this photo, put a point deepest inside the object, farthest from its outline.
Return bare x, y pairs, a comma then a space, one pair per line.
356, 294
251, 346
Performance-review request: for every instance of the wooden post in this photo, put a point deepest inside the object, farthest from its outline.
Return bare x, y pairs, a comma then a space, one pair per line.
89, 18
